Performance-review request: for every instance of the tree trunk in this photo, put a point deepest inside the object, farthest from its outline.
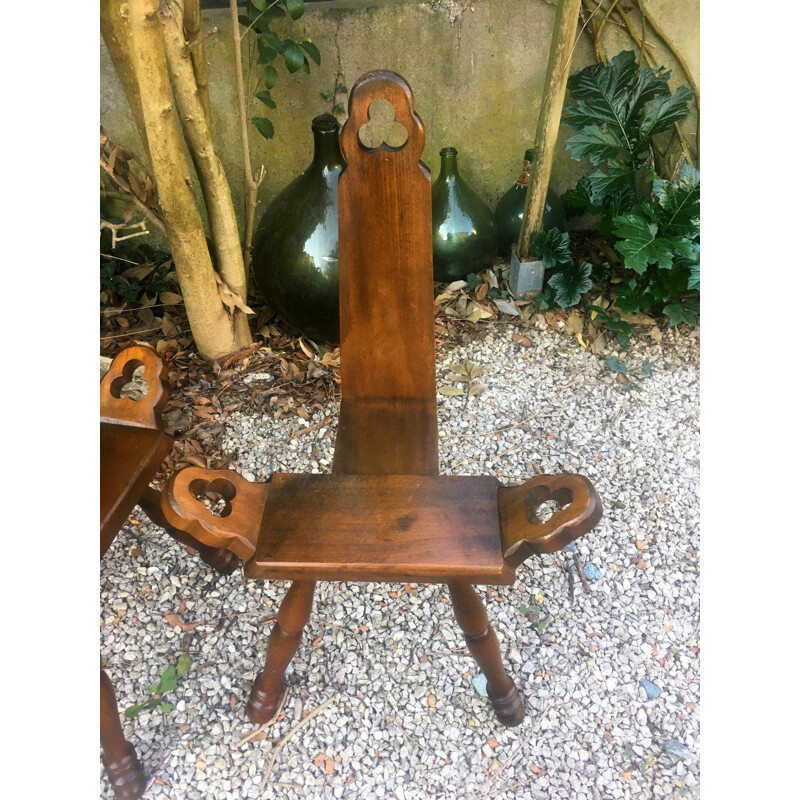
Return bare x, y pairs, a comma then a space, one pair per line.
213, 329
114, 28
213, 181
193, 26
544, 146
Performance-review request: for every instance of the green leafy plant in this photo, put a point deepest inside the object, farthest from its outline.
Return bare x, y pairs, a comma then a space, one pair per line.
275, 47
652, 222
166, 683
569, 280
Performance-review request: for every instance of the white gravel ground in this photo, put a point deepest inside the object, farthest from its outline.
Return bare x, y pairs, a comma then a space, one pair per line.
406, 721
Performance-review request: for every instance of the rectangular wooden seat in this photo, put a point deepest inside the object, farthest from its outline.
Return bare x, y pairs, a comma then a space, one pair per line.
381, 528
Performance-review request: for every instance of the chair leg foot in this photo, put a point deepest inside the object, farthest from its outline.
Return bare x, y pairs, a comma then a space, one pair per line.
283, 643
482, 643
510, 708
126, 775
122, 765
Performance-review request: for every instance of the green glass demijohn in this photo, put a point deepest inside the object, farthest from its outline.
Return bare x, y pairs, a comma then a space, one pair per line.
296, 244
463, 226
508, 214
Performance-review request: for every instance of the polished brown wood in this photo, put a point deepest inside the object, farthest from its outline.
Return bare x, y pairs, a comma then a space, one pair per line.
482, 643
387, 437
381, 528
385, 253
119, 756
522, 531
384, 514
132, 449
284, 640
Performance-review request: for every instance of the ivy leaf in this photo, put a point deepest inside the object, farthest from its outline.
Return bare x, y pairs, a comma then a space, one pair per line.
615, 365
184, 664
683, 311
312, 50
546, 298
168, 681
293, 56
552, 247
270, 76
570, 283
640, 243
647, 368
264, 127
266, 99
295, 8
327, 95
338, 108
474, 280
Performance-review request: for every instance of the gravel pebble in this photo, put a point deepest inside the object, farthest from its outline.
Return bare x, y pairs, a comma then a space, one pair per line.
383, 650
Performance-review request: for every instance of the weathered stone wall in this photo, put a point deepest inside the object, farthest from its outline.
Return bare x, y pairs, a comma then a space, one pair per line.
477, 70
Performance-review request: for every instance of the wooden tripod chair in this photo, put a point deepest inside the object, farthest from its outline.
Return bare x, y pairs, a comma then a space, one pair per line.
385, 514
132, 448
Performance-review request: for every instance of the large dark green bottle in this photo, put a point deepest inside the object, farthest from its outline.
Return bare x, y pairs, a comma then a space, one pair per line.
296, 244
463, 227
508, 214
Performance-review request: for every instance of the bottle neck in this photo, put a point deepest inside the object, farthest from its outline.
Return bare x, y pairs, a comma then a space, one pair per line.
449, 170
327, 152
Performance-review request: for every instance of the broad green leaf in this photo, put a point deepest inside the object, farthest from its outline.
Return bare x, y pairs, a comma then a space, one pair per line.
631, 296
295, 8
649, 83
570, 283
184, 664
244, 21
640, 244
660, 113
261, 5
680, 206
615, 365
684, 311
597, 143
618, 178
264, 127
169, 680
552, 247
153, 688
166, 708
694, 280
293, 56
266, 99
579, 199
270, 76
133, 711
271, 39
312, 50
266, 54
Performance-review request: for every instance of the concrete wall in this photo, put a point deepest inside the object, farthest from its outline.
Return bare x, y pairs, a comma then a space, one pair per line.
477, 70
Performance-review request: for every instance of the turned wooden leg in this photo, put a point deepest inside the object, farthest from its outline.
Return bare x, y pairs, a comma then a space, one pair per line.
119, 757
283, 643
222, 561
482, 643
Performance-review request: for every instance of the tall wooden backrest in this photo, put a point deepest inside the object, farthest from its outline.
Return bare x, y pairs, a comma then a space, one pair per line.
385, 250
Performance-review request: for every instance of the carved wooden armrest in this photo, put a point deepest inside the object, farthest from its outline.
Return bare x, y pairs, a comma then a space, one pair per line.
235, 526
523, 533
146, 412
